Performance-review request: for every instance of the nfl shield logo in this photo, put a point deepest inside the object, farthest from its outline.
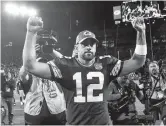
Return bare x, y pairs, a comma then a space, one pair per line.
98, 66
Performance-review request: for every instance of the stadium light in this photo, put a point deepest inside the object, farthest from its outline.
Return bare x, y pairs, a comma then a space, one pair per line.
32, 12
12, 9
16, 10
23, 10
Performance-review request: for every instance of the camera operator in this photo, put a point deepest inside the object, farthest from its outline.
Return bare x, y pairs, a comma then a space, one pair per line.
157, 92
45, 95
51, 107
122, 101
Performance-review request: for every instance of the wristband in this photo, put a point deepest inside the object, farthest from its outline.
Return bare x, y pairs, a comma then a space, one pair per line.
141, 49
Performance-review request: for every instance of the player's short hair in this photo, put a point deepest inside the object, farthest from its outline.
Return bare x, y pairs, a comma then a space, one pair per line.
75, 53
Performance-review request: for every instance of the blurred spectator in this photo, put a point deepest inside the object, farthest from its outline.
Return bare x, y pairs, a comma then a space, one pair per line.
3, 103
122, 109
20, 91
7, 94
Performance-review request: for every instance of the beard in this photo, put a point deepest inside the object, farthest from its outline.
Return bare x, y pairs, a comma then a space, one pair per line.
88, 56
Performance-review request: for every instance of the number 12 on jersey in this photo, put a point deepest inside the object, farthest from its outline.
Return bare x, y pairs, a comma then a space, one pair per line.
90, 88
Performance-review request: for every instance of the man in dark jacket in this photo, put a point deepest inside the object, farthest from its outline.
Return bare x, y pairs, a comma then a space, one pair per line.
7, 94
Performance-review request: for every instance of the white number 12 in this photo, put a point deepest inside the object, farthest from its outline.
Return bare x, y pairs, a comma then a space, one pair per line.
90, 88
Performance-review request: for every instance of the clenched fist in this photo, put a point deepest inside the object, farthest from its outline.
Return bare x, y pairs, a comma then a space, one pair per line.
139, 24
34, 24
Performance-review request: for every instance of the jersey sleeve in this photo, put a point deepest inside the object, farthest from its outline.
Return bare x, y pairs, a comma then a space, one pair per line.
116, 69
115, 66
54, 66
61, 71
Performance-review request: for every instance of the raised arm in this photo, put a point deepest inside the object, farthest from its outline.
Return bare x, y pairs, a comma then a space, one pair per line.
39, 69
139, 56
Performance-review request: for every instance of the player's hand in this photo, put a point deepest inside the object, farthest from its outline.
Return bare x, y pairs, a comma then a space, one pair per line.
34, 24
139, 24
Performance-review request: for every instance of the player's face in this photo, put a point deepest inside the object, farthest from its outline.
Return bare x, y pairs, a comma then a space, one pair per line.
87, 49
153, 68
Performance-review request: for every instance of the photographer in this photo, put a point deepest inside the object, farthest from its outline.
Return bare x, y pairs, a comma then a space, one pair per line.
44, 103
122, 101
157, 92
49, 100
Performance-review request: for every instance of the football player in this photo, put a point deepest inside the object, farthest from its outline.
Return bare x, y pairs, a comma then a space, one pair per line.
86, 76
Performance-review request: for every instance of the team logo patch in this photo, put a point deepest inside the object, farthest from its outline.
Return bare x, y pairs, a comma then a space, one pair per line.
98, 66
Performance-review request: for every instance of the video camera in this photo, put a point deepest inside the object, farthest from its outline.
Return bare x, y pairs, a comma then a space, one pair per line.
47, 41
127, 97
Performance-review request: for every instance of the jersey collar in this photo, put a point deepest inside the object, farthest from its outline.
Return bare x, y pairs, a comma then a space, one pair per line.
83, 64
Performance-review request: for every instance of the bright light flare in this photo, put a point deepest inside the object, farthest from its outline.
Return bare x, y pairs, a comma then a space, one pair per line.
32, 12
14, 9
23, 10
